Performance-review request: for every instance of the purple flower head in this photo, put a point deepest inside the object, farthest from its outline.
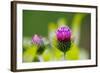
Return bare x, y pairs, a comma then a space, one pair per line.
63, 34
37, 40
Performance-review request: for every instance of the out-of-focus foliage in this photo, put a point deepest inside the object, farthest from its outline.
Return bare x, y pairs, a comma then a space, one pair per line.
29, 54
77, 20
73, 53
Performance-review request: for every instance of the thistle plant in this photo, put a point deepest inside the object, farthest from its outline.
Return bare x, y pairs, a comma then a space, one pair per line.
38, 41
63, 35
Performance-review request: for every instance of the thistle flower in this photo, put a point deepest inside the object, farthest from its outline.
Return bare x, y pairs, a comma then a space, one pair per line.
63, 35
37, 40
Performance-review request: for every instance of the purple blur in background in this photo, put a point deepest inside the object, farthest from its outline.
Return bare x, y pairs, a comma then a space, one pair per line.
37, 40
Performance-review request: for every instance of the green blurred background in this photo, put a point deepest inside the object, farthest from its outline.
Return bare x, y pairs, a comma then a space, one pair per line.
39, 22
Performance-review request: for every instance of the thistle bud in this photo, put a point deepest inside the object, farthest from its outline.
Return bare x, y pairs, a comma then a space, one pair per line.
37, 40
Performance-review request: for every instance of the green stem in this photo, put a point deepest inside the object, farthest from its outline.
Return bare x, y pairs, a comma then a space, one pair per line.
64, 55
